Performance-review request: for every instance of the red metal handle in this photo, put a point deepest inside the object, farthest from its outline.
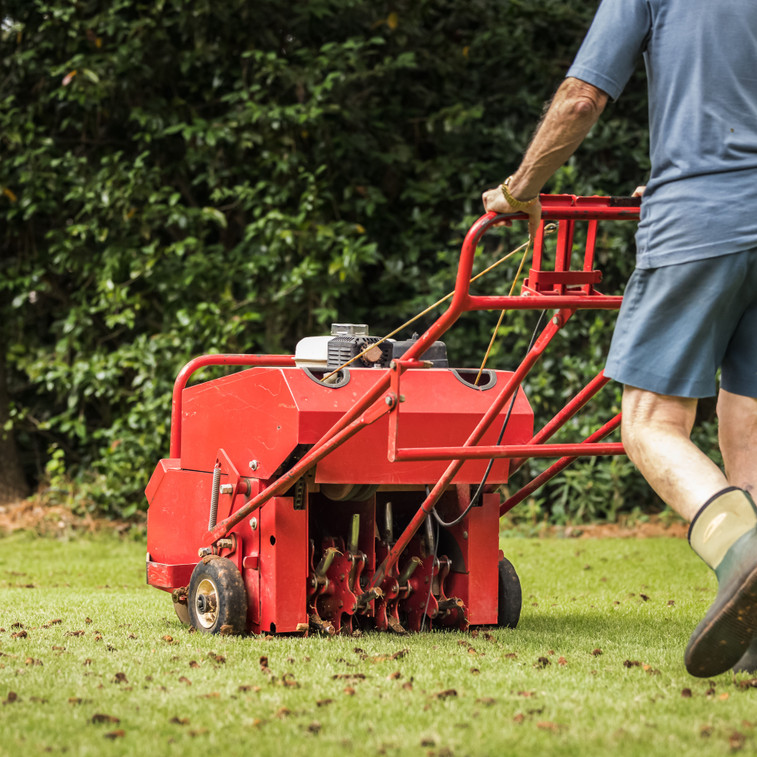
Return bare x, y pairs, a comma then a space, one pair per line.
554, 208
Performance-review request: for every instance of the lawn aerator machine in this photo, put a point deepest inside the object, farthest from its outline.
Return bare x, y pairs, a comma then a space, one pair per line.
354, 484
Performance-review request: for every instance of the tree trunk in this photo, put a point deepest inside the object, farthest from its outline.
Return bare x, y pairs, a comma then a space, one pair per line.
13, 486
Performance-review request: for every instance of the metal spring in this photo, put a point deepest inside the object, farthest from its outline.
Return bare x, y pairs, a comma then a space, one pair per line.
214, 496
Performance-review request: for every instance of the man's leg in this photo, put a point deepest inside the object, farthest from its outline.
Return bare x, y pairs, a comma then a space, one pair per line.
737, 419
723, 517
656, 430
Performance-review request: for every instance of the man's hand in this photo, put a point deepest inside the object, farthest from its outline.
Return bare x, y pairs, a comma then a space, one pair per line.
494, 201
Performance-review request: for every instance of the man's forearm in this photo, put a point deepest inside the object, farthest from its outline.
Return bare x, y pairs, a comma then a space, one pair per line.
569, 118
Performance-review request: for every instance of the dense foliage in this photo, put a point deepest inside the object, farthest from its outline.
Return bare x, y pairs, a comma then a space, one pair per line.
185, 176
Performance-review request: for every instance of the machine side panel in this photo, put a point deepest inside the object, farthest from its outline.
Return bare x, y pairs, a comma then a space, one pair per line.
439, 410
177, 518
478, 538
252, 415
283, 566
262, 414
251, 576
158, 475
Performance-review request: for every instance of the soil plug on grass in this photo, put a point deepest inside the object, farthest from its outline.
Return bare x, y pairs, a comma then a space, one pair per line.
100, 717
736, 741
546, 725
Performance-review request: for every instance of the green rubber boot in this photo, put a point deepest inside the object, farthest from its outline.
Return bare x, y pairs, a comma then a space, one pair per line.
724, 534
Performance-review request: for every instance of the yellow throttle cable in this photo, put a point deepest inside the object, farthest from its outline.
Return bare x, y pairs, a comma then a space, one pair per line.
502, 313
370, 347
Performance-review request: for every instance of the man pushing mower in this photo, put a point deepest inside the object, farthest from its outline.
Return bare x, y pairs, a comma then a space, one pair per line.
690, 307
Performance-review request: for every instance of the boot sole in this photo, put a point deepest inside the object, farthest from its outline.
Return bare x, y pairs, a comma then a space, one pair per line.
725, 633
748, 662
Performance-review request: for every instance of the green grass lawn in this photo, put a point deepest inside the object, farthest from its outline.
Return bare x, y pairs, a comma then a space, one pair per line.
92, 661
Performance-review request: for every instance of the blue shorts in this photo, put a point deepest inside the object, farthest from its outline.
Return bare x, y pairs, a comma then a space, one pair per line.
678, 324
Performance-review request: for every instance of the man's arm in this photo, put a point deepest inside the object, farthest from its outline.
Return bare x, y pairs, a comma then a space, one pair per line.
574, 110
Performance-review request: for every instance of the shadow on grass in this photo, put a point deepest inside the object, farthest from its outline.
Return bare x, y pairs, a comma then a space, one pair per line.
580, 628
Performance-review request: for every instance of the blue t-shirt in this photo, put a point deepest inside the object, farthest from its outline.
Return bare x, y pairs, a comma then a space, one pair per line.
701, 60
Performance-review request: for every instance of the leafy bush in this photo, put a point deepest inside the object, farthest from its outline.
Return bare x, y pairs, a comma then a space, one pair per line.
184, 176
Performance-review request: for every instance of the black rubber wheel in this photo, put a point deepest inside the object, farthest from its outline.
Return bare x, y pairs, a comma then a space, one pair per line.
216, 598
509, 596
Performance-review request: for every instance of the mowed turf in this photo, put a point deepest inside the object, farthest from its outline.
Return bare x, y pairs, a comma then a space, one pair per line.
94, 662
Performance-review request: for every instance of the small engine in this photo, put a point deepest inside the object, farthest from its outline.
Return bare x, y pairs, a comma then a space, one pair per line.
348, 340
352, 339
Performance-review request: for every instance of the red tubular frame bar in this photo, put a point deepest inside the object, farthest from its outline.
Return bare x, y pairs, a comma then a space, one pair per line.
535, 448
564, 415
562, 289
560, 465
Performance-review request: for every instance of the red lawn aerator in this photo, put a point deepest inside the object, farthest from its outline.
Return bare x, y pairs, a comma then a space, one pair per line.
354, 484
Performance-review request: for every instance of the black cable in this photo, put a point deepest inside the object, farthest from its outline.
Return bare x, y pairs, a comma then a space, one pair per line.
477, 496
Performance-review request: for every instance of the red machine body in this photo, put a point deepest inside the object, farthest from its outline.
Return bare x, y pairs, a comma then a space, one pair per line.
291, 504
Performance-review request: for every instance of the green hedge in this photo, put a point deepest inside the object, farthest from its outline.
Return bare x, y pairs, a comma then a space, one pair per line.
185, 176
